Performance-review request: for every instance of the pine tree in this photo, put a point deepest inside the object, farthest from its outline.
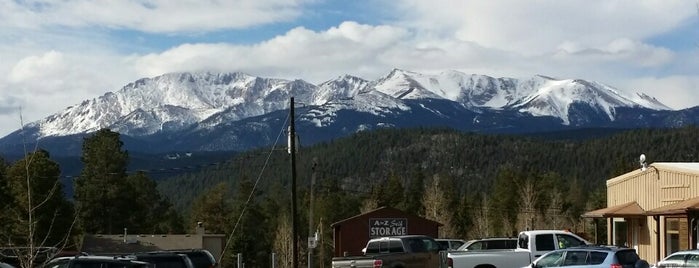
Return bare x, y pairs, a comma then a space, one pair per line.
149, 212
41, 215
505, 203
393, 192
416, 188
249, 235
100, 189
6, 202
212, 209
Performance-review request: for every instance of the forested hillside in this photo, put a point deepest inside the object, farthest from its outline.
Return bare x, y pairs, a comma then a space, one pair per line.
473, 174
476, 185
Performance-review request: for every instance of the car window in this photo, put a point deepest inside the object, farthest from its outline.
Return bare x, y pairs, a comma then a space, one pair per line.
476, 245
552, 259
416, 245
511, 243
372, 248
544, 242
627, 257
444, 243
575, 258
502, 244
523, 241
395, 246
566, 241
200, 259
456, 244
430, 245
692, 260
597, 257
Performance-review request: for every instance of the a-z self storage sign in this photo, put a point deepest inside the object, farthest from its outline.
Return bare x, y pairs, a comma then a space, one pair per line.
388, 227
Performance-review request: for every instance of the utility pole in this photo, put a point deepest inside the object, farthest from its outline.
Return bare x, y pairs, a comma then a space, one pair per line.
292, 152
312, 242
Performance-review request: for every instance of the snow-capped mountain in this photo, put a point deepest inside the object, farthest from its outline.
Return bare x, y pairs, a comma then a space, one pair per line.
539, 96
235, 110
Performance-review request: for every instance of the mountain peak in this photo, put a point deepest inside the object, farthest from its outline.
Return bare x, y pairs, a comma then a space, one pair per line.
177, 101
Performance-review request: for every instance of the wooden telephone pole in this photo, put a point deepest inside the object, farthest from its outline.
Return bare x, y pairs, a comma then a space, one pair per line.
292, 152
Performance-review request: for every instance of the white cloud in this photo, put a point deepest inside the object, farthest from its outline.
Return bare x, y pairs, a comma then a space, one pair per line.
677, 91
619, 50
47, 66
300, 53
538, 27
44, 82
149, 16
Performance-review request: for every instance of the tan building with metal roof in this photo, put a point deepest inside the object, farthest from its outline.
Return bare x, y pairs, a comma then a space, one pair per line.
653, 209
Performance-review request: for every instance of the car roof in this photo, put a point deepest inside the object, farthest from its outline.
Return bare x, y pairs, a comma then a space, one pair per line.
98, 258
599, 247
537, 232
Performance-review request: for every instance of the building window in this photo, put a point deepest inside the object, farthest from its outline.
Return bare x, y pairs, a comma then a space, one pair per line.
672, 235
620, 233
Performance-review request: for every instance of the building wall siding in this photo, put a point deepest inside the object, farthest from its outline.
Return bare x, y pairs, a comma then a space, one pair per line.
651, 189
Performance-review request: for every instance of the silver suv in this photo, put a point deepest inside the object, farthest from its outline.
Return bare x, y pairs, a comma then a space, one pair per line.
592, 256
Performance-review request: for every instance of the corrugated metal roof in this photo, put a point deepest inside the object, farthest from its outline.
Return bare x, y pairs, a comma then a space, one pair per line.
681, 207
630, 209
683, 167
680, 166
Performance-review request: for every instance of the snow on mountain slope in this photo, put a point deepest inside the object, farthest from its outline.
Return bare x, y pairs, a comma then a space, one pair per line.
470, 90
178, 101
554, 98
173, 101
539, 95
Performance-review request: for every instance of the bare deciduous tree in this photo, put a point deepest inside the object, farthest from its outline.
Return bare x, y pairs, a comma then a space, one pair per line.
43, 219
282, 243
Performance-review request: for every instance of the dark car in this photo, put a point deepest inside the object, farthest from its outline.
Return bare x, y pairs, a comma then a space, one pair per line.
591, 256
201, 258
96, 262
165, 259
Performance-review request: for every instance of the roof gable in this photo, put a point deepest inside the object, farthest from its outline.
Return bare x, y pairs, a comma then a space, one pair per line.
630, 209
674, 167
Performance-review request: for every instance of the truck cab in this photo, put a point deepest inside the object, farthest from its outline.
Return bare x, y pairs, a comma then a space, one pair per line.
540, 242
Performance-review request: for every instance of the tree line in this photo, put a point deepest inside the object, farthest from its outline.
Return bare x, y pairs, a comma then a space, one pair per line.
476, 185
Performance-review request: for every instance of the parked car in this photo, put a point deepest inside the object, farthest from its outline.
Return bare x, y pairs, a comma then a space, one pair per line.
591, 256
201, 258
165, 259
685, 258
490, 243
5, 265
530, 245
450, 243
96, 261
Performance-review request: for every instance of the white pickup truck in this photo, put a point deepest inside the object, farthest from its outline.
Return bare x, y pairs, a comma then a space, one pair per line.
530, 245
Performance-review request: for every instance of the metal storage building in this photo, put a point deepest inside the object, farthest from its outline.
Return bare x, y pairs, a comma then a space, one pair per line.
351, 235
654, 209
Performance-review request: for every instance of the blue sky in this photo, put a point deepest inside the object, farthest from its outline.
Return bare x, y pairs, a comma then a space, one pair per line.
57, 53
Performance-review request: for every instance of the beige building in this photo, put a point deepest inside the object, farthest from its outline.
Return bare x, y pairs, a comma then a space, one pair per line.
131, 243
653, 209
